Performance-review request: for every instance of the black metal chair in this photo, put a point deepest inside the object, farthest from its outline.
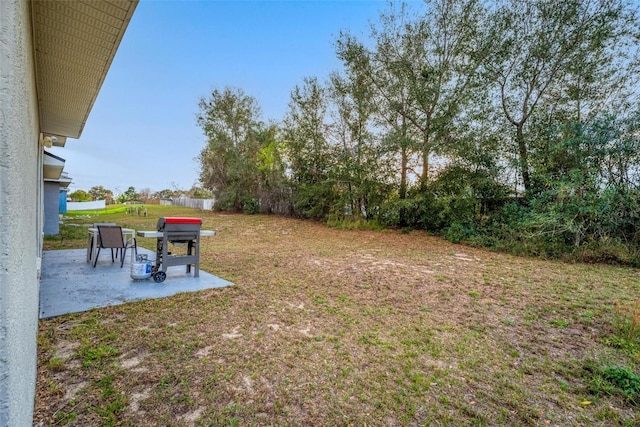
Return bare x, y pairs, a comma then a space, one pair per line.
110, 237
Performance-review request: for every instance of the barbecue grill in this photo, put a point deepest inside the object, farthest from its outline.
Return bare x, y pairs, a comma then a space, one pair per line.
178, 231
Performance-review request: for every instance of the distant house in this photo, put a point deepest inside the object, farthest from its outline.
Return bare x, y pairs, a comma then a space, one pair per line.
62, 200
55, 184
54, 56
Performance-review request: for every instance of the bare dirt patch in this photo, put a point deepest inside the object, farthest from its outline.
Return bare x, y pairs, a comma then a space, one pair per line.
66, 349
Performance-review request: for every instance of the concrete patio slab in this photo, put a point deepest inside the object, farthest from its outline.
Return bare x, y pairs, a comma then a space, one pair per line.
70, 284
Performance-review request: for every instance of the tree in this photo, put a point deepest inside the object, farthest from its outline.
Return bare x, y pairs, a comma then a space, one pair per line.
229, 120
304, 132
435, 57
309, 155
144, 194
360, 166
548, 52
128, 196
390, 91
80, 196
273, 185
98, 192
166, 194
200, 193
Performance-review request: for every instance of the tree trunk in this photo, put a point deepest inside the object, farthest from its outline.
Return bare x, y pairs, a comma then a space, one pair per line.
403, 172
404, 160
352, 202
524, 157
424, 178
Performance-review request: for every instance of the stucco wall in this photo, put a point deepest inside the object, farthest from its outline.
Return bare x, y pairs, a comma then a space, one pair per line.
51, 208
20, 213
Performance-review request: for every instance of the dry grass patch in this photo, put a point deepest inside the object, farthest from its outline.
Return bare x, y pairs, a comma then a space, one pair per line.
335, 327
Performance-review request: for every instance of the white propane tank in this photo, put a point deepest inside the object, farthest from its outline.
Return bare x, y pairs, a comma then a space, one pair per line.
140, 267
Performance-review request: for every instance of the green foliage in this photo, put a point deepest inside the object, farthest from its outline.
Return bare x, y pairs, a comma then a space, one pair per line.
457, 232
95, 354
625, 381
113, 403
614, 380
313, 201
518, 134
563, 58
200, 193
64, 418
98, 192
80, 196
609, 251
308, 151
128, 196
419, 210
241, 163
251, 206
166, 194
228, 119
354, 224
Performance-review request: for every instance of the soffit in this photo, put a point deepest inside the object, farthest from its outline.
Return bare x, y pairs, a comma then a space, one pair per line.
75, 42
52, 166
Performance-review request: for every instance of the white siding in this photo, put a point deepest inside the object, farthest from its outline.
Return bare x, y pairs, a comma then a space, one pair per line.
20, 215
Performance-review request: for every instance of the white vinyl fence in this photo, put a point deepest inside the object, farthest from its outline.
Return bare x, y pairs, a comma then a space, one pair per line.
85, 206
204, 204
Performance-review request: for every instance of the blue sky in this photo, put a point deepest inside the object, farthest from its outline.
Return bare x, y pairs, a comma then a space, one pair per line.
142, 130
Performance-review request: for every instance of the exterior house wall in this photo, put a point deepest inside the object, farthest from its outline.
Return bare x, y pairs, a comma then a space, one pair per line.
63, 201
20, 215
51, 208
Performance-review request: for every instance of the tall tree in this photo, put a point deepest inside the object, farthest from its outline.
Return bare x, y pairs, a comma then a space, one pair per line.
547, 50
361, 167
304, 132
80, 196
98, 192
309, 155
272, 192
437, 54
378, 70
229, 119
128, 196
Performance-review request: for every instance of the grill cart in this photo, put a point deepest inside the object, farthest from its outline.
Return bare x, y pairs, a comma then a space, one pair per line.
178, 231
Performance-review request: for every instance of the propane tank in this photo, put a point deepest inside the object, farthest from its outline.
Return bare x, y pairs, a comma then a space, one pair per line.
140, 266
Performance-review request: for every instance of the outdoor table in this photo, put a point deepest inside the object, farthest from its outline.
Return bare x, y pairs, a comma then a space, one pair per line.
92, 239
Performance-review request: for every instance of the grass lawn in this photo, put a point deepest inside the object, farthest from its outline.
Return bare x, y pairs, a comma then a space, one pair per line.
341, 327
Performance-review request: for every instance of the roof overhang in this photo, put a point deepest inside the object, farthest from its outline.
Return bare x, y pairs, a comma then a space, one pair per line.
75, 42
52, 166
64, 181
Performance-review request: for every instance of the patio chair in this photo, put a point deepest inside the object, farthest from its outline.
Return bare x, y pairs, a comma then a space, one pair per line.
110, 237
90, 242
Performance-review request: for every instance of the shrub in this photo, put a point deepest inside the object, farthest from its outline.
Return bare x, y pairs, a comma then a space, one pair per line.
614, 380
624, 380
251, 207
457, 232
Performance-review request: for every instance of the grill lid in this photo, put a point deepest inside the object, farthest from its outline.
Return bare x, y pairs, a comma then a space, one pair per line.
191, 223
182, 220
